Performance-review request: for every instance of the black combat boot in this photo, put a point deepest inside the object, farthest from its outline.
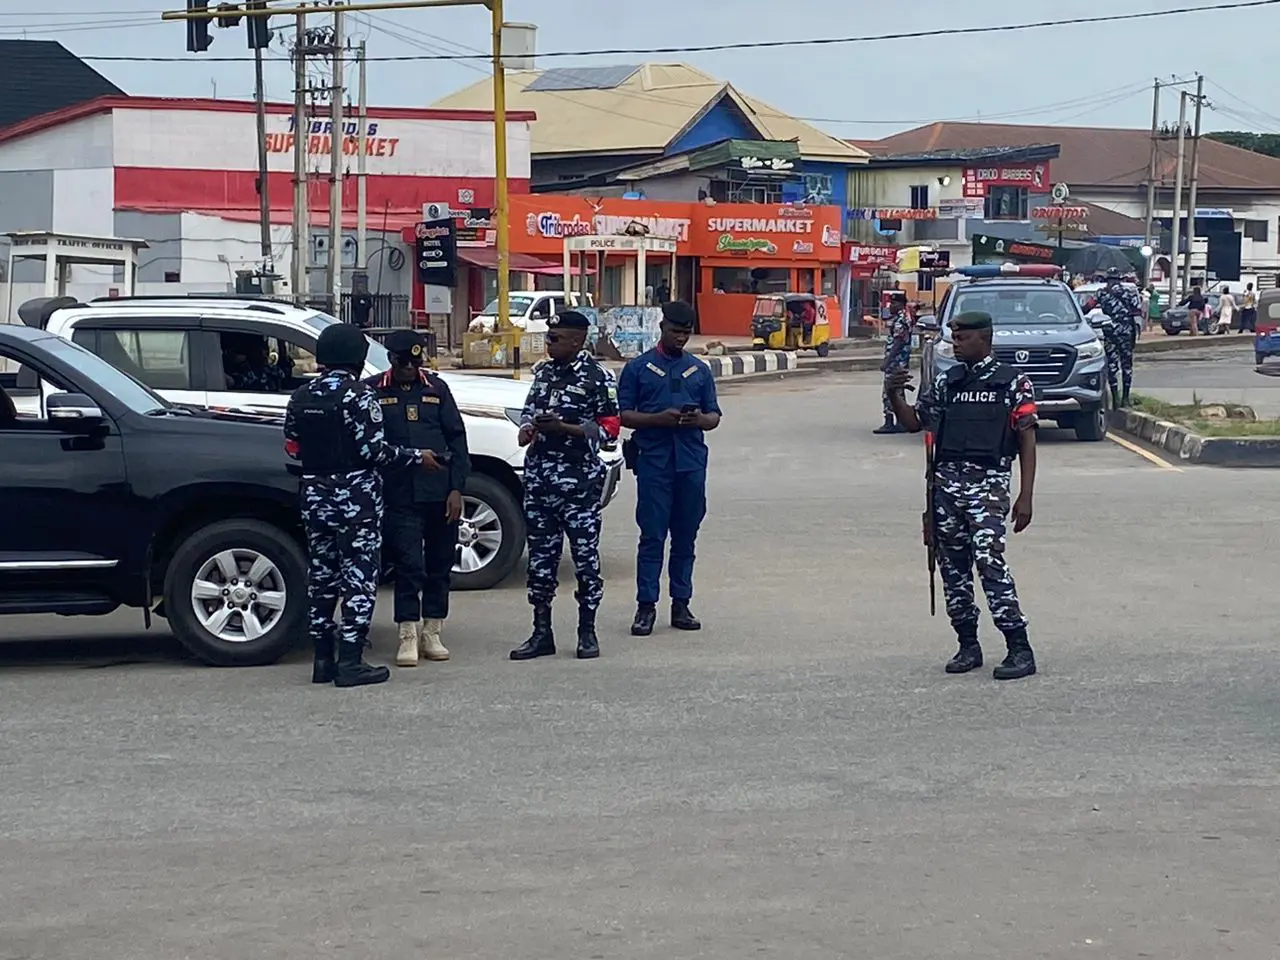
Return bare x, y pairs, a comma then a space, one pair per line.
646, 616
1020, 662
353, 671
1115, 399
890, 425
1124, 399
323, 669
969, 656
588, 643
542, 642
682, 617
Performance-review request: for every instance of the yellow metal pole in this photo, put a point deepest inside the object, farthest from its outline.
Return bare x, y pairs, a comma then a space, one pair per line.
502, 202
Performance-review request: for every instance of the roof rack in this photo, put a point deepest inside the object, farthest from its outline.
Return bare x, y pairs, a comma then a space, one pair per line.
265, 304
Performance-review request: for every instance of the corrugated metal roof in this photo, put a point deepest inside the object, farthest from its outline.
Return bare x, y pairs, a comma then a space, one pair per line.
581, 78
644, 113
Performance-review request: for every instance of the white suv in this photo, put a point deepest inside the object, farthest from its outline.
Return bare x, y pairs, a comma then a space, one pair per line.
175, 345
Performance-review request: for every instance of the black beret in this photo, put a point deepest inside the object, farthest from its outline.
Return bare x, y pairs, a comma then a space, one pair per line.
405, 343
971, 320
678, 314
341, 345
569, 320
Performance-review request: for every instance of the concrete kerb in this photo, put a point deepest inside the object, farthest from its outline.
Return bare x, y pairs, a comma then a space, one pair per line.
1186, 445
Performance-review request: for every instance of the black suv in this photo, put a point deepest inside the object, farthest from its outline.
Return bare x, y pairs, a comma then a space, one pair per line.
110, 496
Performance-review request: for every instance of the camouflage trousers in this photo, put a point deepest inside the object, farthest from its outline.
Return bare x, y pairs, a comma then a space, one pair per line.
1119, 344
553, 514
969, 524
344, 544
894, 359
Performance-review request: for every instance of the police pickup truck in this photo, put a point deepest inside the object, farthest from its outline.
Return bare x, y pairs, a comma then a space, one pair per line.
183, 347
110, 496
1038, 328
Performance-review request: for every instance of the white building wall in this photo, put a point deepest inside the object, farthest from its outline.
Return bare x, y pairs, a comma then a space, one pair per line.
79, 145
1255, 254
222, 140
213, 249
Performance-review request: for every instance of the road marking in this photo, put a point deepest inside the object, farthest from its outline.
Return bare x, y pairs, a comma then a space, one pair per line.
1158, 461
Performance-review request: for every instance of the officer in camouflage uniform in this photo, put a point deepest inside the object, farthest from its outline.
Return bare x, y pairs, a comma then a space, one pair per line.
333, 425
248, 364
897, 354
1122, 304
572, 404
982, 414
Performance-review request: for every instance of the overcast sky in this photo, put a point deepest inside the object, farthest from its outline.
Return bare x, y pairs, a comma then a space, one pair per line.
1095, 75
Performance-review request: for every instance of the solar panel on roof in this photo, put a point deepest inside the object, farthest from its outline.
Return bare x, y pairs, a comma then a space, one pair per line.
583, 78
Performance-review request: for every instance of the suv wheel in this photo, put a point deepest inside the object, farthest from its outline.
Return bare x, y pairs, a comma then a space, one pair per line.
491, 535
1092, 424
236, 593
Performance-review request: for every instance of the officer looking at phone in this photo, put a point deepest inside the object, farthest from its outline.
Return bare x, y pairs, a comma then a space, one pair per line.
668, 397
423, 507
572, 404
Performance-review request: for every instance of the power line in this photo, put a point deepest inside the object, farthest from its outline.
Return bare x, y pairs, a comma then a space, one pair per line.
774, 44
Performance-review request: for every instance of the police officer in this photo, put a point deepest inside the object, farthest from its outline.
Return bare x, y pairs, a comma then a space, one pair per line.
897, 353
247, 364
333, 425
668, 397
423, 507
982, 414
572, 404
1122, 304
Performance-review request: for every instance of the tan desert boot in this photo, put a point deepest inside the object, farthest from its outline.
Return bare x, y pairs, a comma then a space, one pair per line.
431, 647
407, 655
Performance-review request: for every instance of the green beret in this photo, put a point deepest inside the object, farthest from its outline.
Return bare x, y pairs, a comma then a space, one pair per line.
971, 320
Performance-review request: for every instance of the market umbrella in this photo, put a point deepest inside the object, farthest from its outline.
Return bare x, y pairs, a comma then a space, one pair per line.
1098, 258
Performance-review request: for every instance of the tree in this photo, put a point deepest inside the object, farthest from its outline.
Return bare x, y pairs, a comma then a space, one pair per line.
1265, 143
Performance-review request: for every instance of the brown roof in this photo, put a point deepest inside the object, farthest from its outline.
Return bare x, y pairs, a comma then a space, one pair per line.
1096, 156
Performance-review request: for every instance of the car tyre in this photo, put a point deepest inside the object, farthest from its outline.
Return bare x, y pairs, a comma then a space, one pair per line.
1259, 358
277, 546
510, 514
1091, 425
1172, 331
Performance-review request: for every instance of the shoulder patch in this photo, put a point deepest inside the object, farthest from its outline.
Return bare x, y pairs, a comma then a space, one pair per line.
375, 413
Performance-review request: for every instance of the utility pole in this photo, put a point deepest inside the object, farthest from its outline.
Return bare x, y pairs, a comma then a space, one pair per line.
264, 200
1177, 199
362, 196
1195, 182
500, 187
333, 278
1152, 172
301, 128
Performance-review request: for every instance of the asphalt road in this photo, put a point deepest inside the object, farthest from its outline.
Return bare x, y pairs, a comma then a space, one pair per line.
800, 780
1224, 371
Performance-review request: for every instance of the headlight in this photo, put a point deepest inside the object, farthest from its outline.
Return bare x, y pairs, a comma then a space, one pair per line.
945, 349
1091, 350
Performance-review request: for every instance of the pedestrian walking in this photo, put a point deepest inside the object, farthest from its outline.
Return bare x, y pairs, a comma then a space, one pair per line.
668, 398
1226, 312
334, 426
1122, 304
1195, 303
897, 354
420, 528
1249, 310
982, 414
572, 405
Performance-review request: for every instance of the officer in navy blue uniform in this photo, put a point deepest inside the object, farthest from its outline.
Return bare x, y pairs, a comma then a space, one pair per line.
420, 528
668, 398
333, 425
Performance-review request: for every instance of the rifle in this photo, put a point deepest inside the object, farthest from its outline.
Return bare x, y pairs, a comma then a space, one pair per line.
926, 521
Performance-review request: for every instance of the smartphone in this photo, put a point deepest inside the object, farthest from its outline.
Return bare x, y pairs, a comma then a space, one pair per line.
543, 417
689, 408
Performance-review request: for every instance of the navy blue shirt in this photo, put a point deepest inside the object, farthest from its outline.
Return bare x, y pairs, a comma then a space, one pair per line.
654, 382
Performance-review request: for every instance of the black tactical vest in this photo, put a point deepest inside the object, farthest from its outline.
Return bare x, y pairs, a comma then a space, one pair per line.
325, 443
975, 417
411, 418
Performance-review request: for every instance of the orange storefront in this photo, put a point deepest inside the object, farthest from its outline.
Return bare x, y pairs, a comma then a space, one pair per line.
726, 253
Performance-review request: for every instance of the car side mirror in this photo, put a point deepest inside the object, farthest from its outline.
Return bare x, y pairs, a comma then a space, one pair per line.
928, 323
73, 410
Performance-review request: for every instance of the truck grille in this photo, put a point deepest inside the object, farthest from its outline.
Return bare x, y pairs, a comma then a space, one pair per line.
1044, 366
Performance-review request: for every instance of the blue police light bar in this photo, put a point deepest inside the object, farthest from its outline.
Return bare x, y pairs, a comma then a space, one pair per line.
989, 270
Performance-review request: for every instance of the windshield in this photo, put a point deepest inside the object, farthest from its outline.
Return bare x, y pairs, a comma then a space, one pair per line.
519, 304
1029, 306
377, 357
120, 385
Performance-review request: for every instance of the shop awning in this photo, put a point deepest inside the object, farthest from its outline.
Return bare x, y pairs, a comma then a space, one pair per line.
487, 257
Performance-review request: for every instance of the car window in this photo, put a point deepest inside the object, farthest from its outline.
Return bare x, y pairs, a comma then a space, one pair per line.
541, 310
1032, 305
557, 304
161, 359
262, 363
377, 356
110, 379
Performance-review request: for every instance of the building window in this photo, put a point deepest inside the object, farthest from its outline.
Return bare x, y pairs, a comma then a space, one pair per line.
751, 280
1256, 230
828, 281
173, 276
920, 197
1006, 203
768, 192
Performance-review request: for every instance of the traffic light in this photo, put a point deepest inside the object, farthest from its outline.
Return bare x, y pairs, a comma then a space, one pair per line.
230, 15
259, 28
198, 38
